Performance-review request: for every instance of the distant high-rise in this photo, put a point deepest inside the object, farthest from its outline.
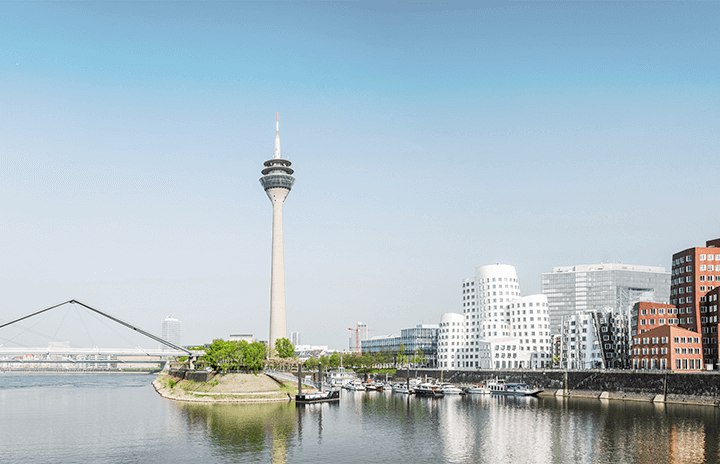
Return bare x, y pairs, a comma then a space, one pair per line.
277, 180
295, 338
171, 331
360, 333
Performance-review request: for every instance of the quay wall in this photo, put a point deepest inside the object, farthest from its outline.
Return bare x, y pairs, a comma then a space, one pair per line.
195, 376
671, 387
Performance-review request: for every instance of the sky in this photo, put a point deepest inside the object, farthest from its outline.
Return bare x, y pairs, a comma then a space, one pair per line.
427, 139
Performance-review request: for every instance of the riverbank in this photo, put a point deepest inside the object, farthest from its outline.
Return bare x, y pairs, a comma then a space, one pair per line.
697, 388
225, 388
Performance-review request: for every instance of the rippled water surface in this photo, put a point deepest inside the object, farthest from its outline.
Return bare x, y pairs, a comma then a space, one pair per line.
90, 418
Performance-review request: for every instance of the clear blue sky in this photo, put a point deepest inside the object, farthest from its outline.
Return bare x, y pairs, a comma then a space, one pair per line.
428, 139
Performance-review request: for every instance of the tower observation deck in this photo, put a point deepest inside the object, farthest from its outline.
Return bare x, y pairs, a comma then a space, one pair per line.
277, 180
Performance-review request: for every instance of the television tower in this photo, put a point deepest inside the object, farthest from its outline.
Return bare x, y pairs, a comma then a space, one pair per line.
277, 180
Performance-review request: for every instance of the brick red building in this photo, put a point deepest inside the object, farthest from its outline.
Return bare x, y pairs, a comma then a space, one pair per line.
695, 272
647, 316
667, 347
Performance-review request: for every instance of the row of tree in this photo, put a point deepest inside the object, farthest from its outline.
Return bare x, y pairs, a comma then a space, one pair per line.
384, 359
223, 356
231, 355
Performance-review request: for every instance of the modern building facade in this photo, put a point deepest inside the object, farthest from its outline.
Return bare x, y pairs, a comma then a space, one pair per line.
277, 181
613, 333
695, 272
598, 287
594, 340
451, 340
423, 337
709, 321
171, 331
580, 346
648, 315
502, 329
668, 347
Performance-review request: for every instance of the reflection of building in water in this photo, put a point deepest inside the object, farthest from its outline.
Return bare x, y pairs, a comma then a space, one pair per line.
687, 443
509, 430
457, 431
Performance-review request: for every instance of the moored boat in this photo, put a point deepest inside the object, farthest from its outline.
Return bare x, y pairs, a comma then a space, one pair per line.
478, 389
499, 387
355, 385
318, 397
400, 388
339, 377
450, 389
430, 390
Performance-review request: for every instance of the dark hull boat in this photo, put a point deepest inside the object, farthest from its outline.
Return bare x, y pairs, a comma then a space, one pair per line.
318, 397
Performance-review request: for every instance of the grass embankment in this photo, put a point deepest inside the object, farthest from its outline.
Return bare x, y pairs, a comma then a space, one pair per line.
225, 388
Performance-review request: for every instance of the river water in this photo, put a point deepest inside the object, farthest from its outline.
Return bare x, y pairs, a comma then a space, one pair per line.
98, 418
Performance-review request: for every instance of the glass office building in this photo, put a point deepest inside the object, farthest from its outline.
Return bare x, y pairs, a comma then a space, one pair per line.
422, 336
597, 287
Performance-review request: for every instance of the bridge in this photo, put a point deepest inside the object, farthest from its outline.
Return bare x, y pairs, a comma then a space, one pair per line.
65, 353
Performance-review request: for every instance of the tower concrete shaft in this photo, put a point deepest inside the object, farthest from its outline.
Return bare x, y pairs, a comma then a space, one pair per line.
277, 180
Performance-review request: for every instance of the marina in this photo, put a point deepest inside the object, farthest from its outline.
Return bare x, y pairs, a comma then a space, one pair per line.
97, 416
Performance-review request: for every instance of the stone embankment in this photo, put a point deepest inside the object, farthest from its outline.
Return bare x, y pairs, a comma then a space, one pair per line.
210, 387
660, 387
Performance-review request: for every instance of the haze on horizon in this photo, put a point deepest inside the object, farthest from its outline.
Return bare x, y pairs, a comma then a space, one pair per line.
427, 140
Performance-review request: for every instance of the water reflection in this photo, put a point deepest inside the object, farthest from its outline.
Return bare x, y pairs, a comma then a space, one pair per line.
246, 430
457, 429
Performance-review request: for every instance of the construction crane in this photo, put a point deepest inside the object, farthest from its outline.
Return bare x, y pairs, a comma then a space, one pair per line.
357, 331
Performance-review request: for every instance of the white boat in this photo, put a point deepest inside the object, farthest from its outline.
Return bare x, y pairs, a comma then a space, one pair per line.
479, 389
400, 388
430, 390
355, 385
339, 377
499, 387
450, 389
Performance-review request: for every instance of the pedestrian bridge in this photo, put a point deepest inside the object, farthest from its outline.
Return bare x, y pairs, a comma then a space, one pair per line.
15, 349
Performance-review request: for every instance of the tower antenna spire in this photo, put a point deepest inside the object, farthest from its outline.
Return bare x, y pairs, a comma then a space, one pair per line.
277, 136
277, 180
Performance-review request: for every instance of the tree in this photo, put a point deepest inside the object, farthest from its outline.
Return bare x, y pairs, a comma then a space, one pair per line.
217, 355
284, 348
254, 356
401, 356
419, 357
334, 359
311, 363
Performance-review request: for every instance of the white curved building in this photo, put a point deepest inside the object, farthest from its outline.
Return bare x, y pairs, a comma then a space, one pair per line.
530, 324
451, 340
498, 330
